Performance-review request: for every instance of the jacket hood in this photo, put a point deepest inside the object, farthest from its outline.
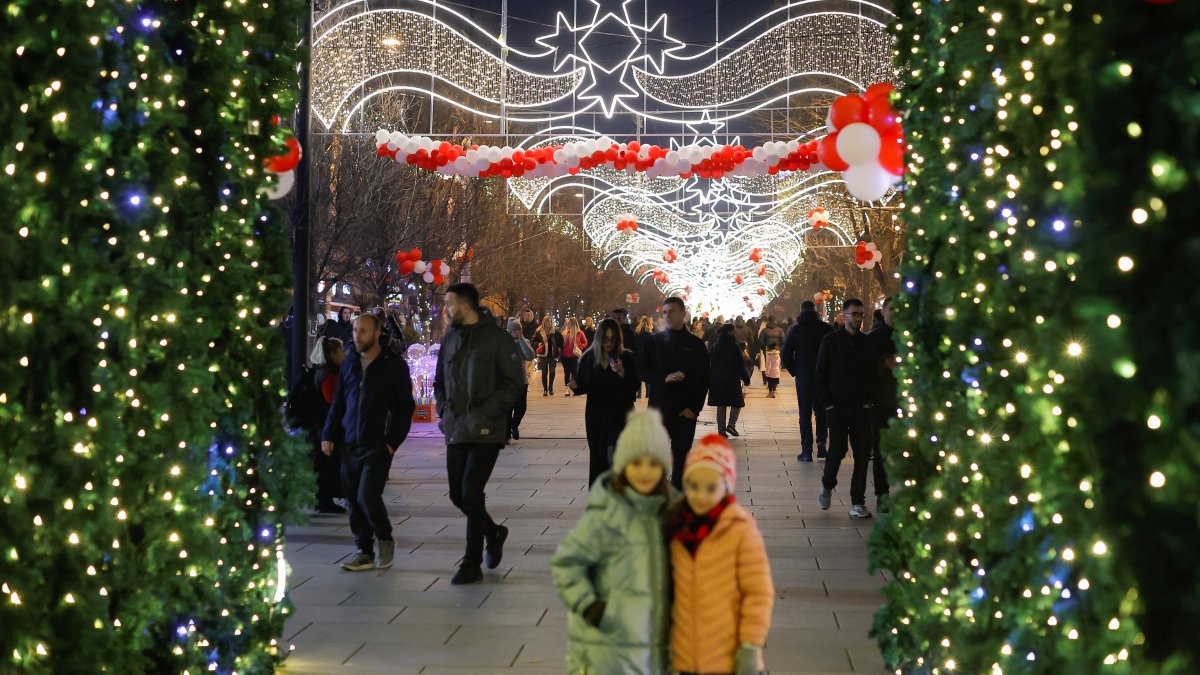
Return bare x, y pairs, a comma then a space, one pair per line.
808, 316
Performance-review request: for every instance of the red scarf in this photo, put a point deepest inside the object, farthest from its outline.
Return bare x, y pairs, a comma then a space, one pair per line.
691, 529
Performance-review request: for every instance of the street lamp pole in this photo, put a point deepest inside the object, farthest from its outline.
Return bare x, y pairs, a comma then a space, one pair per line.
300, 220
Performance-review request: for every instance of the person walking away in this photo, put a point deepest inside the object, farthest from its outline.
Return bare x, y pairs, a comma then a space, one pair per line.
887, 401
678, 369
607, 375
370, 416
327, 357
771, 367
722, 578
547, 344
799, 357
477, 383
574, 342
643, 335
612, 571
847, 381
728, 376
771, 333
527, 356
744, 336
711, 331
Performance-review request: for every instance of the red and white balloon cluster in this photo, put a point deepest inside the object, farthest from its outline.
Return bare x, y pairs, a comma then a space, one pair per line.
670, 256
632, 298
283, 167
432, 272
865, 143
867, 254
626, 222
818, 218
756, 255
704, 161
660, 276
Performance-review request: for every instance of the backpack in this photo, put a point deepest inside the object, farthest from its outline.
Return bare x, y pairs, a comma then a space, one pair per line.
304, 401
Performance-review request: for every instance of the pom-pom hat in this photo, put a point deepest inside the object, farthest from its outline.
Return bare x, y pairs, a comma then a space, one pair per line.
713, 452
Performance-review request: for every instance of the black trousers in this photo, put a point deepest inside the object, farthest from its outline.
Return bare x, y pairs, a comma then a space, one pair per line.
329, 472
364, 473
518, 410
602, 433
772, 383
683, 433
469, 466
570, 366
878, 463
853, 424
806, 399
546, 366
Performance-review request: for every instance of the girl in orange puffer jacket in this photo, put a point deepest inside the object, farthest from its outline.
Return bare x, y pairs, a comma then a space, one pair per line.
723, 589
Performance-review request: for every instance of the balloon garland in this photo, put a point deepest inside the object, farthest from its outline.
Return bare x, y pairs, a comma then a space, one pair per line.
432, 272
865, 143
626, 222
818, 218
867, 255
283, 168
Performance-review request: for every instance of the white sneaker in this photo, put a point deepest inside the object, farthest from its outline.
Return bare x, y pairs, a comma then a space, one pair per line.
859, 511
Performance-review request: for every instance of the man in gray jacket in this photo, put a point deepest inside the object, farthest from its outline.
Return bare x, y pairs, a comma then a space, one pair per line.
478, 381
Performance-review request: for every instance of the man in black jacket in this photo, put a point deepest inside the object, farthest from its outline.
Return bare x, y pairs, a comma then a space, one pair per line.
678, 369
799, 357
479, 379
847, 381
887, 401
529, 324
370, 416
628, 337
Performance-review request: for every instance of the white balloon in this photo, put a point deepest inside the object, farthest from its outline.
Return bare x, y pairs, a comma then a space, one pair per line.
445, 269
867, 182
571, 162
495, 155
757, 153
397, 138
382, 136
461, 164
470, 156
506, 152
419, 266
428, 277
560, 156
283, 184
672, 156
859, 143
792, 146
391, 147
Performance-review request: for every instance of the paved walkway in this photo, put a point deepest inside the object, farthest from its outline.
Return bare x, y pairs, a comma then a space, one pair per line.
409, 619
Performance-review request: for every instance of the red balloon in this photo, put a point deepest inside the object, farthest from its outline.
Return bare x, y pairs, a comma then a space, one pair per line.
438, 279
848, 110
406, 267
878, 90
891, 156
881, 116
414, 255
286, 162
829, 156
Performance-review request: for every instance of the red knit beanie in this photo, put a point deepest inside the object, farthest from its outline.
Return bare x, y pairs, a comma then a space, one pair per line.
713, 451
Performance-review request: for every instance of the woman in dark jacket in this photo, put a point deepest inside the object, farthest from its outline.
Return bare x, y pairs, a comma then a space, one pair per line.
728, 376
332, 355
607, 374
547, 343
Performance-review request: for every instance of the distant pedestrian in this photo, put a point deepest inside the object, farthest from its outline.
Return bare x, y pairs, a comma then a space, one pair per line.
728, 377
608, 376
643, 336
887, 401
529, 324
327, 359
847, 381
722, 578
477, 383
525, 351
574, 342
621, 316
771, 368
589, 329
612, 569
679, 370
370, 416
799, 357
770, 333
341, 328
548, 345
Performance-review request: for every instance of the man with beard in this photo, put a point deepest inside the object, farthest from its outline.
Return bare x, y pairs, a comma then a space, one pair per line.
677, 367
370, 417
478, 382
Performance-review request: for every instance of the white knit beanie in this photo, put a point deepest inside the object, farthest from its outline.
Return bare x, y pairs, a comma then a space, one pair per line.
644, 434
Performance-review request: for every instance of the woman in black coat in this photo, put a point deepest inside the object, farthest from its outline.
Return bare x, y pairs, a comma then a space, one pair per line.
607, 374
728, 376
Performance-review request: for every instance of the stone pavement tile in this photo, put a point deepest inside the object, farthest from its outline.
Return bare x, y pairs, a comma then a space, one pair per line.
322, 658
383, 654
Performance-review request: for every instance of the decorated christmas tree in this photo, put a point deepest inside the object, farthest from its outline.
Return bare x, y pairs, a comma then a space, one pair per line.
146, 477
1048, 462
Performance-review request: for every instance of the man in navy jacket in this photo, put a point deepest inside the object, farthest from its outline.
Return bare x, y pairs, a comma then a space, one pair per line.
370, 415
799, 357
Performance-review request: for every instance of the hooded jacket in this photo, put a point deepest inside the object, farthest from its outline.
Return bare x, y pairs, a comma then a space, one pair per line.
799, 354
617, 554
373, 408
479, 378
723, 595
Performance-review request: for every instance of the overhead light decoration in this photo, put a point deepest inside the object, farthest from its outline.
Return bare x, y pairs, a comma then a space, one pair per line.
702, 194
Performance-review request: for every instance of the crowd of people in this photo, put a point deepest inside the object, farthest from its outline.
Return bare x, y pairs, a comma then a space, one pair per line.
664, 571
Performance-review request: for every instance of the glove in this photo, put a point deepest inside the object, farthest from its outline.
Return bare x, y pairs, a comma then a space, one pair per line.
745, 662
594, 613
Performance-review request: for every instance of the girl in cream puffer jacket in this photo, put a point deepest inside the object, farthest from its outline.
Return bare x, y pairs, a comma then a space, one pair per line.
722, 579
